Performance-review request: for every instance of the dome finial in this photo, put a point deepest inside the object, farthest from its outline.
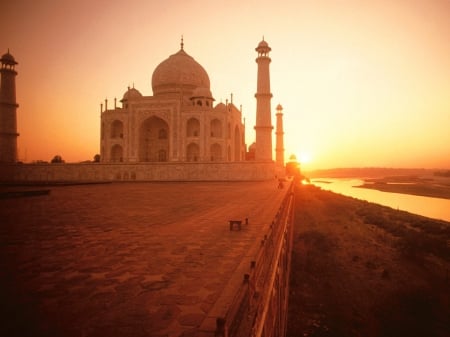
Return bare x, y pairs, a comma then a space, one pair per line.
182, 43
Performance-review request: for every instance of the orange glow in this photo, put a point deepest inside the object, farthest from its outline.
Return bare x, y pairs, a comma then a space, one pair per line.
362, 83
304, 158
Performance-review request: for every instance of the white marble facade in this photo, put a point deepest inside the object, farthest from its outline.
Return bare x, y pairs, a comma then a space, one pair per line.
178, 134
179, 123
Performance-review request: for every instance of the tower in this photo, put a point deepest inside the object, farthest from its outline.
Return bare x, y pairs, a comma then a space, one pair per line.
279, 147
8, 108
263, 127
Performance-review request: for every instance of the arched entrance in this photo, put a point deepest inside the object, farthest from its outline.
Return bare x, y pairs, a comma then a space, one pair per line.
216, 128
154, 140
117, 129
192, 152
116, 153
193, 127
237, 144
216, 152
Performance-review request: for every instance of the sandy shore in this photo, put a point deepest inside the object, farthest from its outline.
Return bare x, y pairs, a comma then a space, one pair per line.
421, 182
421, 188
361, 269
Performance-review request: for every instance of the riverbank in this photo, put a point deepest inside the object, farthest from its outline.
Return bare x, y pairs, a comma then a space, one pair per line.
435, 187
361, 269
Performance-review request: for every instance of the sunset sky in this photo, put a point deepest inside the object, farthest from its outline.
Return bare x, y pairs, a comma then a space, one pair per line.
362, 82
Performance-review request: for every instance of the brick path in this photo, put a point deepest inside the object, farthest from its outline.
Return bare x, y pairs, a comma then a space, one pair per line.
126, 259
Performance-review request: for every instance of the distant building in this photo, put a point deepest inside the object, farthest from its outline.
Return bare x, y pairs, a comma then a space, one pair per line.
8, 110
177, 134
180, 122
263, 127
293, 168
279, 147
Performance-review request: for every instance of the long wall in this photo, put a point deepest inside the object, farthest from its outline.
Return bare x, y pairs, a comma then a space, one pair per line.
96, 172
259, 308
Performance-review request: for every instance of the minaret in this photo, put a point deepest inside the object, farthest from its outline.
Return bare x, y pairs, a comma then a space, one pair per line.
263, 127
279, 147
8, 107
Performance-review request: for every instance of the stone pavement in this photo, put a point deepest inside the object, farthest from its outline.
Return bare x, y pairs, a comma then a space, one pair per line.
127, 259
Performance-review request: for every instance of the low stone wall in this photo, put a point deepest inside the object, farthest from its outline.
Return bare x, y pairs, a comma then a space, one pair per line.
93, 172
259, 305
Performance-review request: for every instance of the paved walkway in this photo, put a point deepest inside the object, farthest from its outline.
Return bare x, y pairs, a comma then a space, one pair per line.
126, 259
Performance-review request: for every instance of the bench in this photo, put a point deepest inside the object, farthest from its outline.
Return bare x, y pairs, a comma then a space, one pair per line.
238, 223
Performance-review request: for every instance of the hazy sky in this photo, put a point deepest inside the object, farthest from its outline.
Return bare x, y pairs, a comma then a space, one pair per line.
362, 82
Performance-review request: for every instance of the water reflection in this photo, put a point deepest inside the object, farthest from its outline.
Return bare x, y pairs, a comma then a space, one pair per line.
426, 206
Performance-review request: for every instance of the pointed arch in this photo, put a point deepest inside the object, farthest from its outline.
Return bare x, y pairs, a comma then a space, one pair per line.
153, 140
117, 129
193, 127
193, 152
216, 128
237, 144
216, 152
116, 153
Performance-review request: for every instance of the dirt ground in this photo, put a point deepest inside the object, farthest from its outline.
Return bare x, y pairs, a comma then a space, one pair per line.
361, 269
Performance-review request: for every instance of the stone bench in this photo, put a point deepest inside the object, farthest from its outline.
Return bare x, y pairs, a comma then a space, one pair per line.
238, 223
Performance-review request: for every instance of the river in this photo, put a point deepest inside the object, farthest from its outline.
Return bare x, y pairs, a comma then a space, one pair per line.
436, 208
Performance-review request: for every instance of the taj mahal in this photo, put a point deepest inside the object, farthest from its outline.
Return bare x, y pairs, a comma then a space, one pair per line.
178, 133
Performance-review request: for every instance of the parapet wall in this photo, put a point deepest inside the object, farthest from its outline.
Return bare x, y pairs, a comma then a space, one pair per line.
259, 307
93, 172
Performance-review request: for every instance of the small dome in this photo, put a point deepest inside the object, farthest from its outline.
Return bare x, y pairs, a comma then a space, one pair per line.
8, 59
180, 72
263, 47
201, 93
263, 44
252, 147
131, 93
279, 107
220, 107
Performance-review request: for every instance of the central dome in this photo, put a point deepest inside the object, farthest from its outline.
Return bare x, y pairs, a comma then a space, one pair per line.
179, 73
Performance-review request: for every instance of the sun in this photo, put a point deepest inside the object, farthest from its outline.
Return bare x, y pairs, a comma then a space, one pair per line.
304, 158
